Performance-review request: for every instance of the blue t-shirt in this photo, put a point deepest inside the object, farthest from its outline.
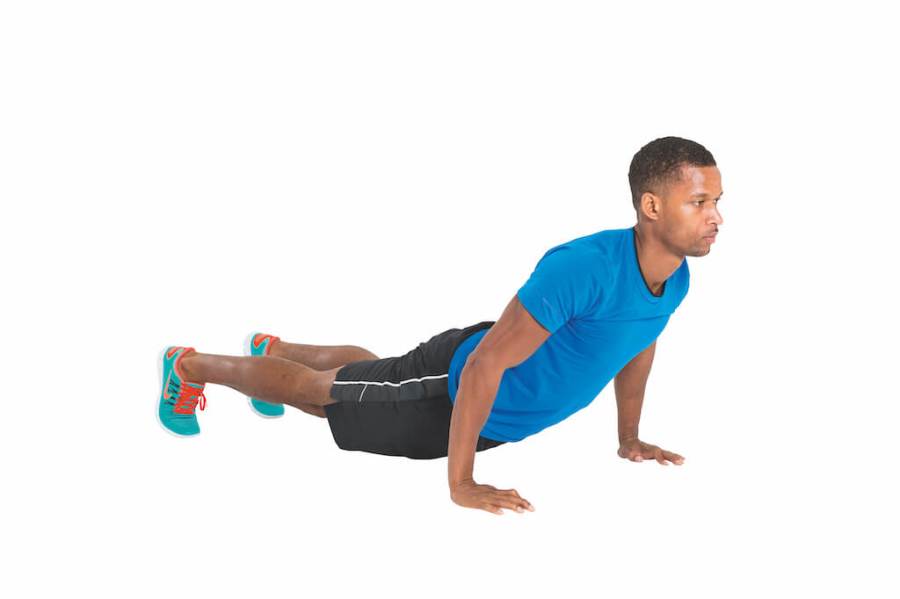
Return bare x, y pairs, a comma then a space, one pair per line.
590, 295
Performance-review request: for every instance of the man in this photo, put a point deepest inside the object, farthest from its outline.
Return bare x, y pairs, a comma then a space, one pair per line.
590, 311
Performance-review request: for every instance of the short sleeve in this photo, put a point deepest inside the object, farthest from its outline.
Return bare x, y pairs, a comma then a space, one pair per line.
563, 286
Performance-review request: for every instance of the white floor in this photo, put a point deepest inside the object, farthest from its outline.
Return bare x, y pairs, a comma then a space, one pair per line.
374, 173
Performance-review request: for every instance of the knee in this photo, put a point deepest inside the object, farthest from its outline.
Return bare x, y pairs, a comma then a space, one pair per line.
311, 409
318, 393
367, 355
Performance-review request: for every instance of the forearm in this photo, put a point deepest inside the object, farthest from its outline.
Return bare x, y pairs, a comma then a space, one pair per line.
629, 415
478, 386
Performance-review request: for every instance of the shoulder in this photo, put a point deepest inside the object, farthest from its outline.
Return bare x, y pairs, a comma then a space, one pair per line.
582, 259
600, 246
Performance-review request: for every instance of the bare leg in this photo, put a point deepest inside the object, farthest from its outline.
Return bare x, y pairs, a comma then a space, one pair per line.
269, 378
320, 357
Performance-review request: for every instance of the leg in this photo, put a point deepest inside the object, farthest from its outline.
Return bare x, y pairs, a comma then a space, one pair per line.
268, 378
320, 357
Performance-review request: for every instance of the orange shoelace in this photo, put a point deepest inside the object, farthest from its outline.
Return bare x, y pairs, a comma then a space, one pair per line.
188, 398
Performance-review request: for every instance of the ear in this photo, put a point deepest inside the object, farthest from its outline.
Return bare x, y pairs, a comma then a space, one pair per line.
651, 206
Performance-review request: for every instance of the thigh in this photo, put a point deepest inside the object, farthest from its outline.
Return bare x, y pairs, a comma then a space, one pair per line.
418, 429
414, 429
400, 405
420, 373
394, 406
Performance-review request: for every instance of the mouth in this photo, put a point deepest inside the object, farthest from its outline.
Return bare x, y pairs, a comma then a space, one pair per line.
711, 238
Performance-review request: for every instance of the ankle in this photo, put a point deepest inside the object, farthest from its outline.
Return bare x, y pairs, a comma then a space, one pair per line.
186, 371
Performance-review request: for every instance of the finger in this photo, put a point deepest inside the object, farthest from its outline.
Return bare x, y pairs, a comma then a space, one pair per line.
673, 457
658, 454
509, 494
498, 506
520, 501
513, 503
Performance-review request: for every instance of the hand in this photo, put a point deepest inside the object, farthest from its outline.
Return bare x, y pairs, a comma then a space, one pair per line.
470, 494
636, 450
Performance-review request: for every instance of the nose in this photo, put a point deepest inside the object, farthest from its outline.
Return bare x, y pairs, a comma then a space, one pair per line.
717, 216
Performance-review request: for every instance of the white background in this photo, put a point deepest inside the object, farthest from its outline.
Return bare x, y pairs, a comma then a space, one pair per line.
373, 173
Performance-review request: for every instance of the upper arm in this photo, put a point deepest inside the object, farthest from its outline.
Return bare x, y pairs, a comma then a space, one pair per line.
567, 282
510, 340
633, 376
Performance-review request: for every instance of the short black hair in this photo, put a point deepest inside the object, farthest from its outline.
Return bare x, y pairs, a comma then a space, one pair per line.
659, 163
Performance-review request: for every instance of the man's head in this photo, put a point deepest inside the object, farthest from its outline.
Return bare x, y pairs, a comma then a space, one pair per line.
675, 186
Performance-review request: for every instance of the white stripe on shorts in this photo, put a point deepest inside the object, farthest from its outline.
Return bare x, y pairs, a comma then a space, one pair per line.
389, 383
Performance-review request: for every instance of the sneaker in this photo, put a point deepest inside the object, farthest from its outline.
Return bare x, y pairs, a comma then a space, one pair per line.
258, 344
178, 398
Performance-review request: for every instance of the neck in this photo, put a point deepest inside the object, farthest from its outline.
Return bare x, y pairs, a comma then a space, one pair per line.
656, 261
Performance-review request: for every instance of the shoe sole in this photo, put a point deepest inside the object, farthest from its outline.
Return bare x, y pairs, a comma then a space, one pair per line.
247, 341
160, 362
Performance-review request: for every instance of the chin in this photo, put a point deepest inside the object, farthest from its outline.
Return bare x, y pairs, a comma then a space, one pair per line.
699, 252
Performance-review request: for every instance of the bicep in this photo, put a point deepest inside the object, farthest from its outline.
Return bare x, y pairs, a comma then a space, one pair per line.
638, 369
511, 340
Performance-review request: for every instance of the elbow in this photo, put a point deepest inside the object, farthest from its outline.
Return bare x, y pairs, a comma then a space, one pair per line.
483, 366
473, 361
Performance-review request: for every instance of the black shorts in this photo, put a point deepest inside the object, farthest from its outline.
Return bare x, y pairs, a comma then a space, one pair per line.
399, 406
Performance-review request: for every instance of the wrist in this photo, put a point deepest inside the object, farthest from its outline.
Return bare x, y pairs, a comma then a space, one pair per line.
455, 484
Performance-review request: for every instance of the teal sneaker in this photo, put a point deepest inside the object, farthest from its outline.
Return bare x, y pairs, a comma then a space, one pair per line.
178, 398
258, 344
